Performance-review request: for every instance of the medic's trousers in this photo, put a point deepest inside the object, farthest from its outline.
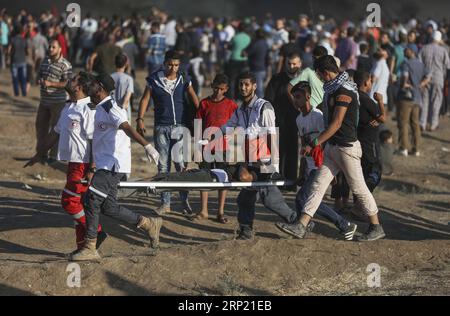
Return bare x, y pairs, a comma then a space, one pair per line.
72, 197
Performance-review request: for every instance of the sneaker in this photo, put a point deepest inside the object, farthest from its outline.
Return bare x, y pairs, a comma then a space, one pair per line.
310, 226
296, 230
373, 233
51, 160
187, 209
403, 152
163, 209
415, 153
349, 231
245, 233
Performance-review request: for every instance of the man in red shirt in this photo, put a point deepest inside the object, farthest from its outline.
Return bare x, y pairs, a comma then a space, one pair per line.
215, 111
61, 38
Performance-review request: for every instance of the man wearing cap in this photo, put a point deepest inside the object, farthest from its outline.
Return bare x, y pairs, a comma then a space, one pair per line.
436, 60
413, 79
112, 156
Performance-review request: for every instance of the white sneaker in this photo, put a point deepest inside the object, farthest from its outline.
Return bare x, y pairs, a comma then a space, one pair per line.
417, 153
403, 152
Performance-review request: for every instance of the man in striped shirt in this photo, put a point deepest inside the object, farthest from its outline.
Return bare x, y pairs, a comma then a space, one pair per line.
54, 73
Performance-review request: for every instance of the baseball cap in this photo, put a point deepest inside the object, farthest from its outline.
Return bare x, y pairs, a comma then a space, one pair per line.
105, 81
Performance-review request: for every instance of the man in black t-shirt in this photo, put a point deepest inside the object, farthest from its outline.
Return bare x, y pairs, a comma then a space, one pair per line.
342, 151
371, 115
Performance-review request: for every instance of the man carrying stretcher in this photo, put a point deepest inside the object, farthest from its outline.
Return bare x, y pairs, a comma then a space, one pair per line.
254, 116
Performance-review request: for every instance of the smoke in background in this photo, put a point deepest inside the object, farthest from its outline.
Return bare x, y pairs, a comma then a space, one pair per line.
342, 9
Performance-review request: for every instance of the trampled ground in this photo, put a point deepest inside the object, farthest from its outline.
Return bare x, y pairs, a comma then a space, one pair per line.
201, 258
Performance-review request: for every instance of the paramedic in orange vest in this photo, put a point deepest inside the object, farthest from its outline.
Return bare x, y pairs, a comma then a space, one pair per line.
256, 116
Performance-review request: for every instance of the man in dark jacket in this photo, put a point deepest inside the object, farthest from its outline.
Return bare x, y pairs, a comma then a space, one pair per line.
168, 88
276, 94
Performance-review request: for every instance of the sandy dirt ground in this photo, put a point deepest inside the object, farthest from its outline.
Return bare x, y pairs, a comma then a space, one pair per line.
202, 258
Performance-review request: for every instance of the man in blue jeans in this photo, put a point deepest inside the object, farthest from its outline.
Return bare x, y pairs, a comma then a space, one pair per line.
17, 50
168, 88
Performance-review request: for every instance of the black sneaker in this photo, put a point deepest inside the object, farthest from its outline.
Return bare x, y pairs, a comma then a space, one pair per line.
187, 209
373, 233
296, 230
245, 233
51, 160
310, 226
101, 236
349, 231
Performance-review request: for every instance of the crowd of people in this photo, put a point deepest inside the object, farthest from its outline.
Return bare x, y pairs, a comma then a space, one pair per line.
331, 83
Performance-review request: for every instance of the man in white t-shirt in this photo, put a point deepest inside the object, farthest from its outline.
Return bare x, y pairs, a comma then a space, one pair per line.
112, 156
74, 131
380, 75
310, 124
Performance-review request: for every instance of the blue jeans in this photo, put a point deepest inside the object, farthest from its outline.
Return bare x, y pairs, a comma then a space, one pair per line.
324, 210
260, 78
271, 198
19, 77
164, 144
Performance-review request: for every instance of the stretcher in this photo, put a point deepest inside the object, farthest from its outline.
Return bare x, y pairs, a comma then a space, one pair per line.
132, 188
200, 185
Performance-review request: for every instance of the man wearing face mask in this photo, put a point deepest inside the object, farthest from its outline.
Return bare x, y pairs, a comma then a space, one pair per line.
277, 94
53, 75
73, 133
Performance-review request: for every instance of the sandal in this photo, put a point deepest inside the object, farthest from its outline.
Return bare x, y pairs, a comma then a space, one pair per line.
222, 219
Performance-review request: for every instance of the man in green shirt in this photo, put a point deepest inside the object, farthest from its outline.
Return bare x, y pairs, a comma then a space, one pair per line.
310, 76
238, 60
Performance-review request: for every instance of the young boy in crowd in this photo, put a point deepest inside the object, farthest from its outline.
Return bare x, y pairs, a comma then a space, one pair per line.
371, 115
364, 60
215, 111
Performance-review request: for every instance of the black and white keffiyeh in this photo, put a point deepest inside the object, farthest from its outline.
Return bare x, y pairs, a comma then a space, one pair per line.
342, 80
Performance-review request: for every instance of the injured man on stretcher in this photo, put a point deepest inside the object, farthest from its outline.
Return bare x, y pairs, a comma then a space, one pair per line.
229, 173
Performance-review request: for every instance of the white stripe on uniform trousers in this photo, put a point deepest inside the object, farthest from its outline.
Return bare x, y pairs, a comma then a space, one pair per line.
103, 195
71, 193
79, 215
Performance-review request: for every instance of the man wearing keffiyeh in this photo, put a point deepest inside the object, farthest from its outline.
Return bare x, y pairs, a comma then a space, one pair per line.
342, 151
